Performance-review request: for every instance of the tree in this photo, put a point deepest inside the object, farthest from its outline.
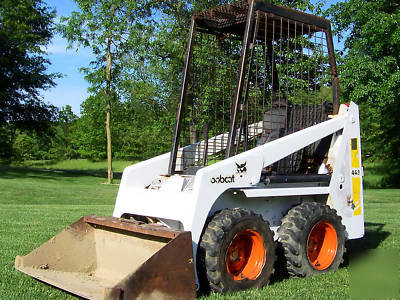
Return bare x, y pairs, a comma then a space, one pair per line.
66, 129
110, 29
26, 27
370, 73
90, 134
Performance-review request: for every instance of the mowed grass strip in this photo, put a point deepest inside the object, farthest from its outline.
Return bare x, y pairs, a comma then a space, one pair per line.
35, 205
31, 186
77, 164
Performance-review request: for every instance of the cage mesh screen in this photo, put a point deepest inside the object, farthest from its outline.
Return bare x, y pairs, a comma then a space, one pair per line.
287, 87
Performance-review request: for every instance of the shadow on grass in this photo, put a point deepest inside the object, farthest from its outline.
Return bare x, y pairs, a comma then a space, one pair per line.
38, 164
374, 236
7, 172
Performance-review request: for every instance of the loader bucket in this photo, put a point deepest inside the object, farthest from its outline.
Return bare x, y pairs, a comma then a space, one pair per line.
112, 258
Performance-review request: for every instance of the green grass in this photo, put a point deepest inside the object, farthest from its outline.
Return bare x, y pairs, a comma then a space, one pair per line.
76, 164
373, 175
36, 204
380, 174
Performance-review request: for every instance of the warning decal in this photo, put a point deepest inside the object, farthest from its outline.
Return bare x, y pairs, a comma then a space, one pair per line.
356, 179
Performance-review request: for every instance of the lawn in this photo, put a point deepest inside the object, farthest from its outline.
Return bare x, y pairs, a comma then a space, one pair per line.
76, 165
35, 204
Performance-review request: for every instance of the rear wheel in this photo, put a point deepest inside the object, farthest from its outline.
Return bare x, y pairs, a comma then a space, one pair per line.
236, 251
312, 237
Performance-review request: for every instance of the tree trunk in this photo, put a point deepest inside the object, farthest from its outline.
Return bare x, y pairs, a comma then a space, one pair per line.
108, 113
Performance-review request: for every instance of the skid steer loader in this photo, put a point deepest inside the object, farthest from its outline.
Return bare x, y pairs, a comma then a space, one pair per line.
263, 157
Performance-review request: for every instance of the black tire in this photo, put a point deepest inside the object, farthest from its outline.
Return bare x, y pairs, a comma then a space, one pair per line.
307, 236
236, 251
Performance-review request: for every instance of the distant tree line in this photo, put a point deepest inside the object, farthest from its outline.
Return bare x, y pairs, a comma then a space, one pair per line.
135, 76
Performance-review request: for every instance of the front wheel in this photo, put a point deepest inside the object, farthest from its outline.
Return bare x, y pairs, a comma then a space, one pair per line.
237, 251
312, 237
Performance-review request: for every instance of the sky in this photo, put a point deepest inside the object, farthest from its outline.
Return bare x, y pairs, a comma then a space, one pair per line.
71, 89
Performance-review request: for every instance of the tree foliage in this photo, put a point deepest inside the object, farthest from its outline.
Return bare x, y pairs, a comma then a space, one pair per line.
370, 71
96, 24
26, 27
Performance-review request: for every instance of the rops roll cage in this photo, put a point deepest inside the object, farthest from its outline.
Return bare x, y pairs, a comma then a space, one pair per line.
240, 19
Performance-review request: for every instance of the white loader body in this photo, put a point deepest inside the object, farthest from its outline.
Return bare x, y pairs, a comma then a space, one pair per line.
185, 201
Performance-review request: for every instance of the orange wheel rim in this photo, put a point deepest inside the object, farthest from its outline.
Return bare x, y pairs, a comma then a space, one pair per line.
245, 257
322, 245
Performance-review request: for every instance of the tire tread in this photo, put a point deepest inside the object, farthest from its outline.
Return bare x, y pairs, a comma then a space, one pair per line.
211, 241
291, 232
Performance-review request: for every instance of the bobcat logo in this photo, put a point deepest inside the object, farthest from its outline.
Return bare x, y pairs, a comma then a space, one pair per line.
241, 169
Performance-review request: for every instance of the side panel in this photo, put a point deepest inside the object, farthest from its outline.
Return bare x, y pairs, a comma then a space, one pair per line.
143, 173
346, 190
138, 176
